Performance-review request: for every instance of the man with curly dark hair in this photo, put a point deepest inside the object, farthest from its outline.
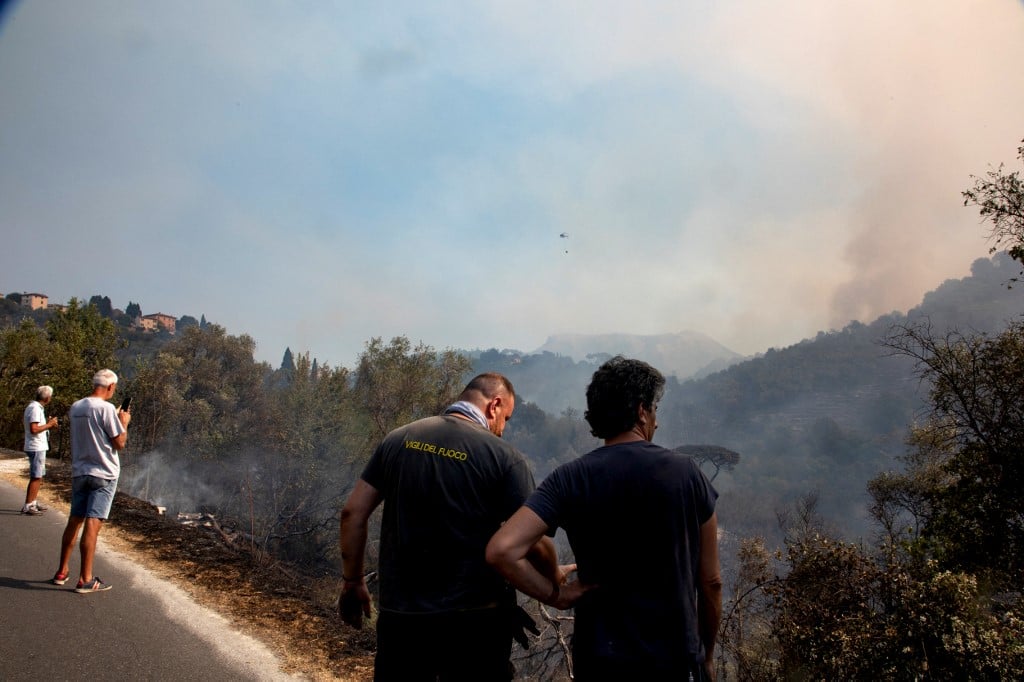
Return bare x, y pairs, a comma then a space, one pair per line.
641, 522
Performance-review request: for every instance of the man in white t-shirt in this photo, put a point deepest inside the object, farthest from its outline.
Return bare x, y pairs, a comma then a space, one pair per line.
98, 432
37, 442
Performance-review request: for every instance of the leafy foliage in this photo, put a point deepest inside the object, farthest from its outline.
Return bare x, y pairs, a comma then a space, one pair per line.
843, 614
24, 365
398, 383
184, 322
103, 305
999, 197
970, 451
829, 609
939, 597
746, 638
205, 390
65, 354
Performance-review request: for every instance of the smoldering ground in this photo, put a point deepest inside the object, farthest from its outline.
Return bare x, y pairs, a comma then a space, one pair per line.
285, 506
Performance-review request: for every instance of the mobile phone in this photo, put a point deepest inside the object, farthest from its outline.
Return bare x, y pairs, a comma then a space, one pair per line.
127, 404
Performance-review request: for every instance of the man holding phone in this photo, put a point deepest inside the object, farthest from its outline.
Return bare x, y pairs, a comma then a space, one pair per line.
98, 433
37, 442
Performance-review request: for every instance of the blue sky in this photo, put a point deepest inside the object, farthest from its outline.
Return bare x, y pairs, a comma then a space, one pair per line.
317, 174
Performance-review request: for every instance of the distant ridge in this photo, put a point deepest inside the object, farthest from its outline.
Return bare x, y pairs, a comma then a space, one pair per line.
685, 354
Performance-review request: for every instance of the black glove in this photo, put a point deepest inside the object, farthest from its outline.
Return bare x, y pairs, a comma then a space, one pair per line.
519, 621
350, 608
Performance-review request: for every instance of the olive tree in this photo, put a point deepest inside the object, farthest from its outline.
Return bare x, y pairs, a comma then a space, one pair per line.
398, 383
64, 354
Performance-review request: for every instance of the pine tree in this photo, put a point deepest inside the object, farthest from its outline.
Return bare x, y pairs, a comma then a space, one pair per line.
288, 363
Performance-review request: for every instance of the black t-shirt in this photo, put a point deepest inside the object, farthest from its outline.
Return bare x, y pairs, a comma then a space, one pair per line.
632, 513
447, 484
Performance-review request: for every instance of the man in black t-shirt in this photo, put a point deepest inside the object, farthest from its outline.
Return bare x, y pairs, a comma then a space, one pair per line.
447, 483
641, 522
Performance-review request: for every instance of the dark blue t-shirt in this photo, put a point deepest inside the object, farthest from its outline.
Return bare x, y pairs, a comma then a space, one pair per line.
632, 513
447, 484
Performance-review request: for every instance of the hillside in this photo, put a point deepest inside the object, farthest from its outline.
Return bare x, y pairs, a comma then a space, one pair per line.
828, 414
555, 376
823, 416
685, 354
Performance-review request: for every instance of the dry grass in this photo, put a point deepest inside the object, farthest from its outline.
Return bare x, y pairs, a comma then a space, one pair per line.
294, 615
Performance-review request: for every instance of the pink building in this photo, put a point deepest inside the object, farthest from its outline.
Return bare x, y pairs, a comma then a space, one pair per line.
158, 321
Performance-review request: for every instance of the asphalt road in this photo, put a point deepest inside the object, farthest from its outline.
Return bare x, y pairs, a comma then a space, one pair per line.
142, 629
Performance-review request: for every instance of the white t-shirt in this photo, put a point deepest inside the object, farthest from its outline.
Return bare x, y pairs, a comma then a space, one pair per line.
35, 442
94, 424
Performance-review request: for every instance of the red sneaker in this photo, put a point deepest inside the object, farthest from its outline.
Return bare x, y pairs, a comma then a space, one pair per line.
94, 585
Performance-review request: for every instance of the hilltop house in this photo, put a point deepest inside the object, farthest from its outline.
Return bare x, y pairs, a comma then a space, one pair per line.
35, 301
157, 321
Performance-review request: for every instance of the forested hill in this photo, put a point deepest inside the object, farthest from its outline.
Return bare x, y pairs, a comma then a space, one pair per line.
685, 354
554, 376
828, 414
849, 376
824, 415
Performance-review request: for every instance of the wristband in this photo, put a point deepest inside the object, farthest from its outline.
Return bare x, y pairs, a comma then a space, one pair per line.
350, 580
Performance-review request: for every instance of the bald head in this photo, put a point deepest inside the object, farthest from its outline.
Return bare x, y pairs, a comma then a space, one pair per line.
487, 386
494, 395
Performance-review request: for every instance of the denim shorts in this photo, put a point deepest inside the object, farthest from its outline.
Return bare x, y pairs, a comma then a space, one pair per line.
36, 463
91, 497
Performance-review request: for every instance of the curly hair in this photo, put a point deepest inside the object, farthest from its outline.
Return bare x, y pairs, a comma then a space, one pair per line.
618, 388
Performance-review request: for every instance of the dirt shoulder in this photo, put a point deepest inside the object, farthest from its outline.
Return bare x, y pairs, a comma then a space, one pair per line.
293, 614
